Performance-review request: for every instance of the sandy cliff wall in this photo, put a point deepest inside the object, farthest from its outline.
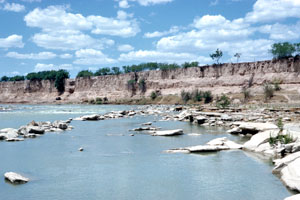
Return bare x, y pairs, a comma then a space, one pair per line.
219, 79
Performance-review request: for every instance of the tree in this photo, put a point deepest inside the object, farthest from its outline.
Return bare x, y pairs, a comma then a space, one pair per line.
17, 78
116, 70
217, 55
4, 79
85, 73
61, 75
283, 50
103, 71
237, 55
297, 46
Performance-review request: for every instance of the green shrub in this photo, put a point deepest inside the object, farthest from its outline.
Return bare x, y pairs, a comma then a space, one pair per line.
207, 97
283, 139
223, 101
142, 85
276, 84
131, 86
268, 91
185, 96
197, 95
153, 95
246, 94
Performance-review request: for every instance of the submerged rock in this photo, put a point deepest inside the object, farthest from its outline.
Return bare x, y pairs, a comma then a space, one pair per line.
168, 132
15, 178
214, 145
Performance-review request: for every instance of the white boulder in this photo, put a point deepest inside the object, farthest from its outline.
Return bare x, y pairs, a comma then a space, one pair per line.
15, 178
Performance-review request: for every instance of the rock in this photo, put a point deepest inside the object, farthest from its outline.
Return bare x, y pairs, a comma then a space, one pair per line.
35, 130
294, 197
147, 124
253, 128
8, 133
296, 147
259, 139
201, 119
168, 132
131, 134
290, 175
131, 113
80, 149
280, 163
225, 117
14, 139
15, 178
214, 145
148, 128
179, 108
30, 135
58, 98
235, 130
206, 148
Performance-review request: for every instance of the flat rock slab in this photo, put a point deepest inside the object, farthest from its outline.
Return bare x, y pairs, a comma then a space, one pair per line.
290, 175
259, 139
168, 132
15, 178
294, 197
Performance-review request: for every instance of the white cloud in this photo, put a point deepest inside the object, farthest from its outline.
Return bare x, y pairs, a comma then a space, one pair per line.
46, 67
125, 47
271, 10
69, 41
154, 34
291, 32
12, 41
66, 56
214, 3
116, 27
149, 56
125, 4
92, 57
56, 18
31, 1
14, 7
33, 56
211, 32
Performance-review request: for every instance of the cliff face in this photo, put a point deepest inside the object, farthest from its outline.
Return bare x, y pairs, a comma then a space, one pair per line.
217, 78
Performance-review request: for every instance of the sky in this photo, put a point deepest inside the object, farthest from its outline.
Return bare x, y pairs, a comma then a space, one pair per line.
38, 35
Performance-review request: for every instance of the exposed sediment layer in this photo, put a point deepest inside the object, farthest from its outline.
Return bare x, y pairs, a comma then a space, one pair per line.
229, 77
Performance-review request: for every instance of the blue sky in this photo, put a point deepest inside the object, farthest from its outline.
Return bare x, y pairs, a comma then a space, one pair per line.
39, 35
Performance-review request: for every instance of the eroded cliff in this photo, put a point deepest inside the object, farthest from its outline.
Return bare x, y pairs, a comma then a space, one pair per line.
225, 78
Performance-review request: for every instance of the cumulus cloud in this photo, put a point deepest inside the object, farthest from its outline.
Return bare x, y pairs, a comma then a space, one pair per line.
31, 1
12, 41
125, 4
14, 7
45, 67
267, 10
66, 56
275, 31
33, 56
149, 56
56, 18
154, 34
69, 40
125, 47
92, 57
